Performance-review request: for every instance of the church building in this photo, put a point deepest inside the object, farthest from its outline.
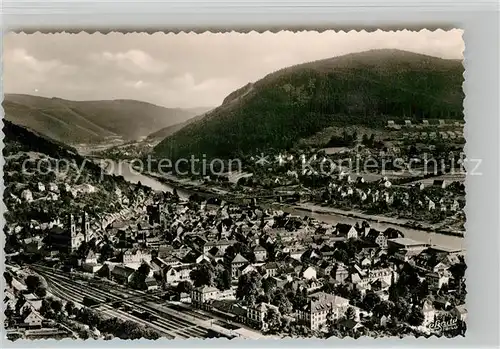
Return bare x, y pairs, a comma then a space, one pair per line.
70, 238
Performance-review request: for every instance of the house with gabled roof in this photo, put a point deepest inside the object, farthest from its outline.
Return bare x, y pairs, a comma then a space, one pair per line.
436, 280
33, 319
202, 294
245, 269
350, 325
309, 273
151, 284
320, 307
256, 314
237, 262
366, 262
346, 230
91, 258
376, 237
325, 268
195, 257
271, 268
31, 303
122, 274
220, 244
260, 253
135, 256
174, 274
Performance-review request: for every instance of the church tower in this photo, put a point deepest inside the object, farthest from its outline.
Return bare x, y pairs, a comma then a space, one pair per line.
73, 235
72, 226
86, 227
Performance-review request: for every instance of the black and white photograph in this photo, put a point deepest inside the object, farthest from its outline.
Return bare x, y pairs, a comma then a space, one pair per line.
296, 184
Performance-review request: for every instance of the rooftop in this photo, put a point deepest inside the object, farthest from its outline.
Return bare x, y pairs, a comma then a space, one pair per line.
321, 301
206, 289
407, 242
239, 259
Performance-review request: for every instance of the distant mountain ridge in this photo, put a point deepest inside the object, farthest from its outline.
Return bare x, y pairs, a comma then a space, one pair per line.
74, 122
170, 130
366, 88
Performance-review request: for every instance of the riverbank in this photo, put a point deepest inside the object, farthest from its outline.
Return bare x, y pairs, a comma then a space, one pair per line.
311, 207
194, 186
187, 187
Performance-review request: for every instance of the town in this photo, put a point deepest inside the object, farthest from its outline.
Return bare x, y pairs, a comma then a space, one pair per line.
189, 267
418, 182
225, 186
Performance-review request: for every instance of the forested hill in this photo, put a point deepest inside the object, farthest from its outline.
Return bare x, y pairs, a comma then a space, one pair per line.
45, 180
366, 88
19, 138
74, 122
167, 131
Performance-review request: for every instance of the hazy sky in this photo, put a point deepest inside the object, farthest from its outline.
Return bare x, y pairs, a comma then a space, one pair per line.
183, 70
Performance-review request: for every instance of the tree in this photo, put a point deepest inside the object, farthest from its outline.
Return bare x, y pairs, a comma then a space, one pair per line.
268, 286
106, 252
249, 287
32, 282
341, 256
56, 306
273, 319
282, 302
138, 280
401, 309
350, 313
262, 298
41, 292
458, 272
46, 307
355, 296
285, 324
202, 275
144, 269
370, 301
383, 308
416, 317
184, 287
223, 280
423, 290
8, 278
69, 307
82, 249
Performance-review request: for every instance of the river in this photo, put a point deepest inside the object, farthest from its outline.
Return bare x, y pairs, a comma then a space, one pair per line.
124, 169
448, 241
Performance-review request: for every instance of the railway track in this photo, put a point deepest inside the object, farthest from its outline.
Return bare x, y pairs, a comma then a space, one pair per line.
167, 322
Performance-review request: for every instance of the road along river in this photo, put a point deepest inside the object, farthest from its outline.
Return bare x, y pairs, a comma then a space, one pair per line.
447, 241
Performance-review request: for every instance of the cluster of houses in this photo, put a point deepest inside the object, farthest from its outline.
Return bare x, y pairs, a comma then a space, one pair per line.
391, 124
313, 263
51, 192
355, 189
445, 135
174, 237
23, 318
364, 190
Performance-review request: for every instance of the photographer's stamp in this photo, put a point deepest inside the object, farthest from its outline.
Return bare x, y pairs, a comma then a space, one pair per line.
235, 185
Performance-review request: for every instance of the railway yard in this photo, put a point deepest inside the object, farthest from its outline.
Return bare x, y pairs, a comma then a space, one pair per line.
148, 309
